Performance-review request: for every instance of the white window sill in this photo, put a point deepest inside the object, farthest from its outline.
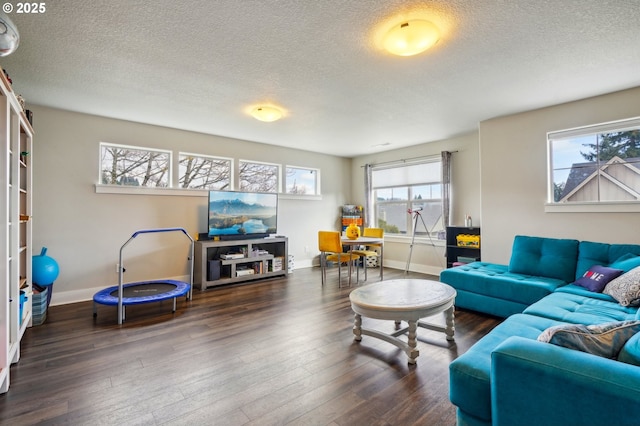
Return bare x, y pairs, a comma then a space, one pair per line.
184, 192
619, 207
143, 190
423, 241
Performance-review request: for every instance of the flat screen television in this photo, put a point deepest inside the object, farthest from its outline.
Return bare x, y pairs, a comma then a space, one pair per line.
237, 215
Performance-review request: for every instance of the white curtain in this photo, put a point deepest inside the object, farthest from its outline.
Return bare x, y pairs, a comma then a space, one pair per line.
368, 197
446, 188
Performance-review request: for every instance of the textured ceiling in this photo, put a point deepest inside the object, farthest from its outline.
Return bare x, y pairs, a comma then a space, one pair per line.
201, 65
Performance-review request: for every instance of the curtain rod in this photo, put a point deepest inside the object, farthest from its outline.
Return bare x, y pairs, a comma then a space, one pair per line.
404, 160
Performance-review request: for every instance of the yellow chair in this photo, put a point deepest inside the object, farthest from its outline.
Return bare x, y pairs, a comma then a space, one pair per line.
331, 250
371, 250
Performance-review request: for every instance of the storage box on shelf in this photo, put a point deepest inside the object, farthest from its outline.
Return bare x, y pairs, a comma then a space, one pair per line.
463, 245
39, 303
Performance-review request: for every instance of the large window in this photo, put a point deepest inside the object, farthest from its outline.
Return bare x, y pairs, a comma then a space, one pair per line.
407, 196
259, 177
302, 181
204, 172
134, 166
595, 164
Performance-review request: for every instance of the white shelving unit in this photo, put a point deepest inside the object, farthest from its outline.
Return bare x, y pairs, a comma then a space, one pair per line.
16, 141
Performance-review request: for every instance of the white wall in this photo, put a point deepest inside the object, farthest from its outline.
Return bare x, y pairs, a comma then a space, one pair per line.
506, 162
513, 169
84, 230
465, 197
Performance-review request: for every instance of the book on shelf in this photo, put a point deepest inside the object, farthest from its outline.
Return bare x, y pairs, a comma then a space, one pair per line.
243, 272
228, 256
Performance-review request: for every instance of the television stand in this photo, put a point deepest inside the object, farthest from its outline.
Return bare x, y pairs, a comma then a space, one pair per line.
227, 262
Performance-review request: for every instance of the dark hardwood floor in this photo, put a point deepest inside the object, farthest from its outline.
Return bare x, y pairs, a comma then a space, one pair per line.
266, 353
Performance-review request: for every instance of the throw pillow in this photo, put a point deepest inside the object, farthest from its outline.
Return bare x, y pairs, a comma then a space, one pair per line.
630, 352
626, 288
626, 262
597, 277
605, 340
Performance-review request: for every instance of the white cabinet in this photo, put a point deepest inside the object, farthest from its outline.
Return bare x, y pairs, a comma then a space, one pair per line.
16, 138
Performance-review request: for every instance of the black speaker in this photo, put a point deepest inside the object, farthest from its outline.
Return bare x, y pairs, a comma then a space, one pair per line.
214, 270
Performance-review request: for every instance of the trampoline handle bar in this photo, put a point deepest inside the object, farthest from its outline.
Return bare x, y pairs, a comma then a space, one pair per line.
151, 231
121, 264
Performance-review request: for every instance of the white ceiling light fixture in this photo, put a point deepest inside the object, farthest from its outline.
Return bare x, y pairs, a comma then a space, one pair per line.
411, 37
267, 113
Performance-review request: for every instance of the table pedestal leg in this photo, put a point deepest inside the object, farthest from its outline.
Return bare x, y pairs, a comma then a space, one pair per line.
412, 352
450, 327
357, 327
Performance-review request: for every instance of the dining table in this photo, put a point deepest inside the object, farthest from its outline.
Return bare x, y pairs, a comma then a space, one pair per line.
365, 241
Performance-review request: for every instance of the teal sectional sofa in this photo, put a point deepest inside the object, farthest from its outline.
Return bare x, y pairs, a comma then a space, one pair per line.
509, 377
538, 266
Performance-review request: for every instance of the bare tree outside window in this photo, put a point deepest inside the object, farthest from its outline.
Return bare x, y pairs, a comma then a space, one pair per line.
258, 177
301, 181
204, 172
121, 165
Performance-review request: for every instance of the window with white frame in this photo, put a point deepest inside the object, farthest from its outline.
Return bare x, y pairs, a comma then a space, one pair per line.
204, 172
134, 166
409, 187
302, 181
258, 177
595, 164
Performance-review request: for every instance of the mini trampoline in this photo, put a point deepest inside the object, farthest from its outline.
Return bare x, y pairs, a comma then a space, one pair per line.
144, 291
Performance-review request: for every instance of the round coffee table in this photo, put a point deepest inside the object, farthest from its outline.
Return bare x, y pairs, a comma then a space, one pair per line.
403, 300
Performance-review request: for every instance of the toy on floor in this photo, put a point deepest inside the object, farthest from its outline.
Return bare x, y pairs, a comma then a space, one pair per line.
44, 269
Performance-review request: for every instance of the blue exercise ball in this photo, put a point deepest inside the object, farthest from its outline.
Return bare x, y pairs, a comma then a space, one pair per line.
44, 269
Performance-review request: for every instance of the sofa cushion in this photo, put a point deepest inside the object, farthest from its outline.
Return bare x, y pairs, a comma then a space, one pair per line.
596, 277
626, 288
605, 340
630, 352
544, 257
591, 253
577, 305
626, 262
496, 281
470, 386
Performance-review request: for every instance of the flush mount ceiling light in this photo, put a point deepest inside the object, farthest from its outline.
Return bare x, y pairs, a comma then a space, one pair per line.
411, 37
266, 113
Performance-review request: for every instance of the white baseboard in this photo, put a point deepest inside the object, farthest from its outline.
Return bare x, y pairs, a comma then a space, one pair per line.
413, 267
395, 264
73, 296
86, 294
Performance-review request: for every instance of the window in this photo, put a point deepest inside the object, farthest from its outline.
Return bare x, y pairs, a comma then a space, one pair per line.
134, 166
408, 187
204, 172
302, 181
259, 177
125, 169
595, 164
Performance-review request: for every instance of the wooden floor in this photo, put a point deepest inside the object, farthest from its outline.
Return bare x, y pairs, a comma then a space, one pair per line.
267, 353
